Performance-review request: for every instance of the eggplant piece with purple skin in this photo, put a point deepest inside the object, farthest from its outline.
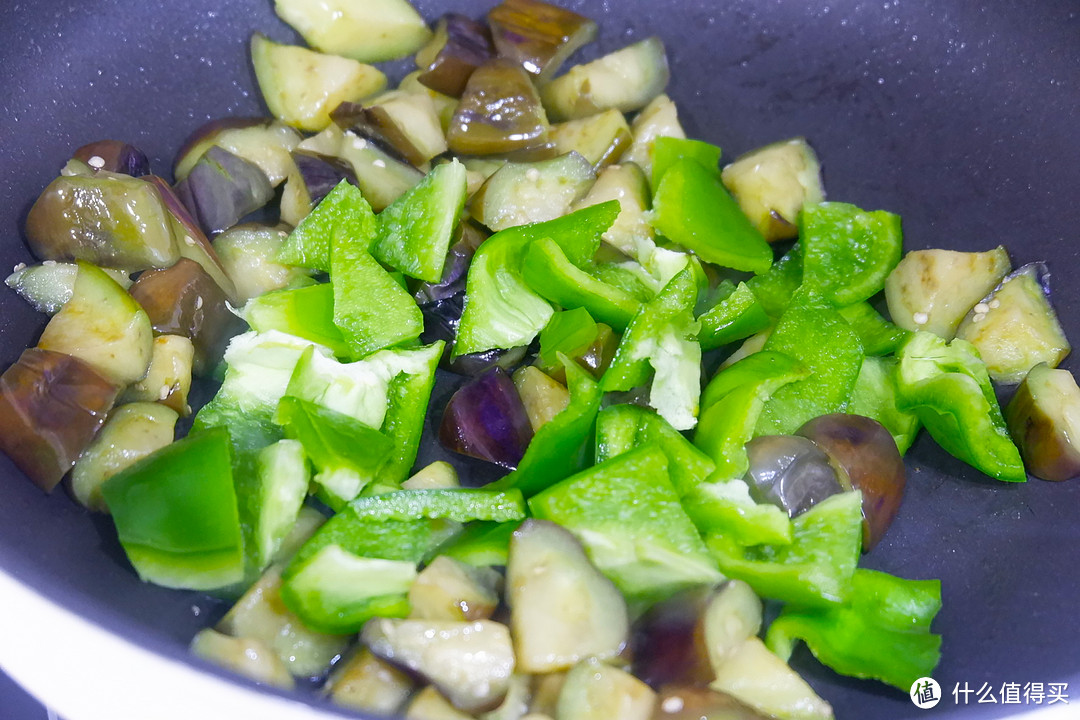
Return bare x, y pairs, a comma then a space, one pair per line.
486, 419
792, 473
459, 46
321, 173
500, 113
538, 35
51, 407
263, 141
114, 156
185, 300
1044, 420
441, 318
222, 188
404, 124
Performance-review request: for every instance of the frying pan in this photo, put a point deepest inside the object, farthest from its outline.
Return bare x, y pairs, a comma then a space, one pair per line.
959, 116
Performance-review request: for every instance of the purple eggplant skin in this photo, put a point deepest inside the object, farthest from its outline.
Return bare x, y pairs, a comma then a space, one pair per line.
321, 173
185, 300
114, 156
468, 238
222, 188
355, 118
441, 318
671, 638
486, 419
867, 453
1044, 420
467, 46
792, 473
51, 407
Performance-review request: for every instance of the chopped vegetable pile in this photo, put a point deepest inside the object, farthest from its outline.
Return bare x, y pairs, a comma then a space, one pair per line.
554, 247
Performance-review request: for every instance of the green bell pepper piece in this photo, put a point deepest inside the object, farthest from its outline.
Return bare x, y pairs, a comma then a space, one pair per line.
548, 271
823, 341
877, 335
305, 312
628, 276
726, 508
570, 332
666, 151
283, 476
346, 453
176, 514
627, 515
735, 316
882, 631
501, 311
815, 568
407, 403
621, 428
776, 288
661, 338
481, 543
948, 387
848, 252
414, 231
875, 396
692, 208
343, 208
563, 445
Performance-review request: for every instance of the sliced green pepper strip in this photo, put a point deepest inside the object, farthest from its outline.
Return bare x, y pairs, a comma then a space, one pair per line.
692, 208
176, 514
628, 276
666, 151
407, 405
875, 396
848, 252
823, 341
309, 244
815, 569
570, 332
621, 428
627, 515
726, 508
414, 231
882, 632
306, 312
548, 271
776, 288
563, 445
735, 317
481, 543
877, 335
501, 311
948, 388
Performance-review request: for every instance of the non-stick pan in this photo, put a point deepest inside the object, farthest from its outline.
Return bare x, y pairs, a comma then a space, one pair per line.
961, 116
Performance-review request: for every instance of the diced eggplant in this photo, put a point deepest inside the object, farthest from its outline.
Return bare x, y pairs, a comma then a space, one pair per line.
601, 139
759, 679
365, 30
429, 704
515, 706
792, 473
542, 396
773, 183
49, 285
222, 188
168, 380
626, 80
114, 156
595, 691
308, 521
261, 141
451, 590
522, 193
660, 118
445, 105
631, 233
108, 219
244, 656
184, 300
866, 451
51, 407
455, 269
485, 419
562, 609
459, 46
320, 174
538, 35
1044, 420
499, 113
248, 253
595, 358
682, 702
402, 124
439, 475
104, 326
301, 87
366, 683
1015, 328
933, 290
545, 693
131, 432
470, 662
261, 615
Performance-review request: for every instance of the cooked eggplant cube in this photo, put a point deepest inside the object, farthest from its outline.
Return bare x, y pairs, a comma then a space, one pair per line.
542, 396
595, 691
51, 284
485, 419
51, 407
1015, 328
248, 253
451, 590
222, 188
184, 300
601, 139
499, 113
439, 475
539, 35
168, 380
522, 193
407, 124
459, 46
261, 141
243, 656
764, 682
114, 156
429, 704
365, 30
792, 473
660, 118
1044, 420
364, 682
